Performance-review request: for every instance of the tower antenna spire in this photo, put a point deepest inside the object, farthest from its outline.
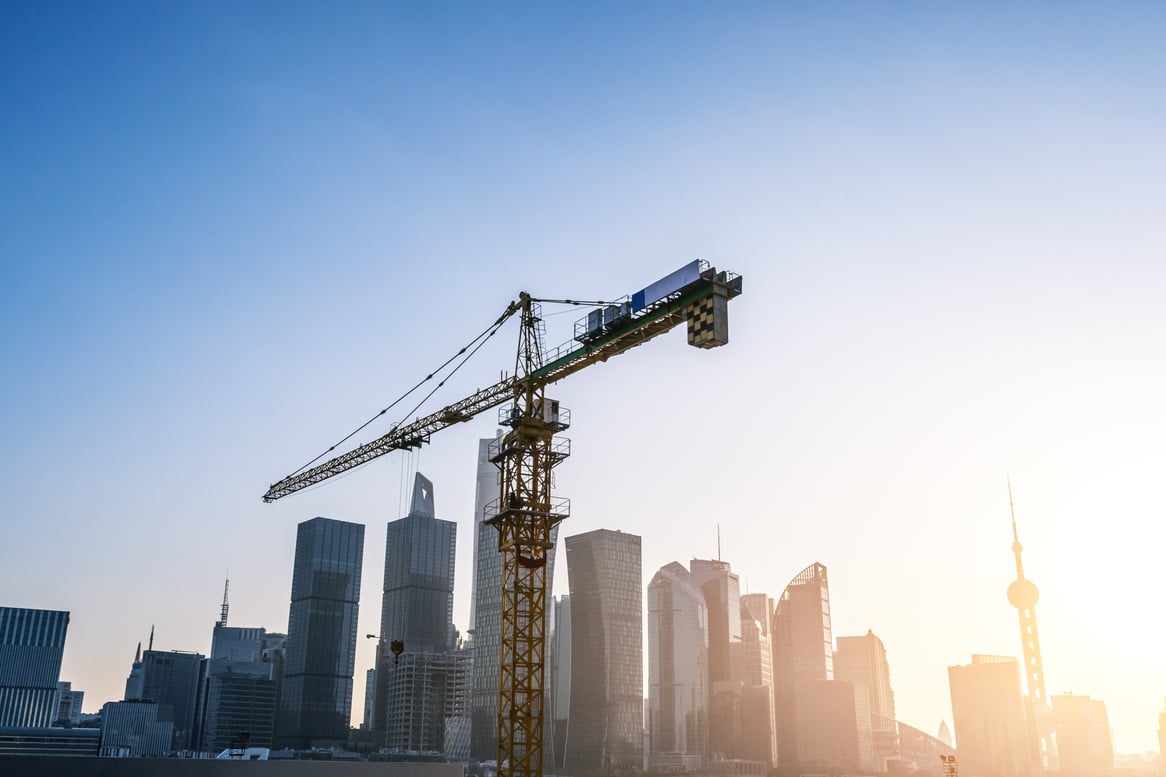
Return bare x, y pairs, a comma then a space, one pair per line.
226, 606
151, 637
1012, 509
718, 542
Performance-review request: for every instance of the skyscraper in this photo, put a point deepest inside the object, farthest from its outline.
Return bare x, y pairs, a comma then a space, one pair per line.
32, 645
721, 588
316, 700
803, 653
606, 722
678, 685
417, 606
486, 610
171, 680
862, 661
989, 717
759, 733
429, 683
1023, 595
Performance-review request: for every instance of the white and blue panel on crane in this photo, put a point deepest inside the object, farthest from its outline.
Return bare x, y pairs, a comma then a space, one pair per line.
689, 273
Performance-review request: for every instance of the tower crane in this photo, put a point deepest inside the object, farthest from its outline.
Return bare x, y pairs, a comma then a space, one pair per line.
525, 512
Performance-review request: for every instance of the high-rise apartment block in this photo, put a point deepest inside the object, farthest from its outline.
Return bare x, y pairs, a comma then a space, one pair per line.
68, 705
606, 721
678, 684
316, 701
991, 726
32, 645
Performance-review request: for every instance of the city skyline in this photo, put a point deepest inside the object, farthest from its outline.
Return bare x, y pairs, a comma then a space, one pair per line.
230, 238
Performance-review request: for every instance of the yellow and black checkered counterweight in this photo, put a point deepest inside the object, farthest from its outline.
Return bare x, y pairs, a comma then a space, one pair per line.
708, 320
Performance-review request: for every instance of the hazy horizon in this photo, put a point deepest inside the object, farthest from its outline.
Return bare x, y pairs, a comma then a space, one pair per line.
231, 233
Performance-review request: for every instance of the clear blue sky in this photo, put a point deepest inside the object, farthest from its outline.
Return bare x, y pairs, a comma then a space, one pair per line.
230, 232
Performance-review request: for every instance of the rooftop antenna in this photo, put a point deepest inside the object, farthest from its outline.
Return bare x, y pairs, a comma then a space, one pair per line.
718, 542
151, 647
226, 607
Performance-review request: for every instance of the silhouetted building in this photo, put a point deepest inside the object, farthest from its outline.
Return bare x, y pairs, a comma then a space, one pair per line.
1084, 745
803, 654
918, 750
759, 732
417, 606
316, 700
171, 680
828, 726
944, 734
862, 661
678, 685
32, 645
429, 684
1023, 595
988, 713
135, 729
607, 709
486, 610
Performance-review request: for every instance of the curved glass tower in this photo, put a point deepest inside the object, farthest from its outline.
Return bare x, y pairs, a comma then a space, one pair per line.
678, 689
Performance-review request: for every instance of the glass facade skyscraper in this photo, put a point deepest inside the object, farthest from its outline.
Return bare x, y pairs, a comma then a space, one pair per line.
32, 644
427, 686
316, 699
678, 685
606, 724
803, 652
417, 605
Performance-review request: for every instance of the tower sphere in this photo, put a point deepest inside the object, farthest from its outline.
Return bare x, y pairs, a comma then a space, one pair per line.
1022, 594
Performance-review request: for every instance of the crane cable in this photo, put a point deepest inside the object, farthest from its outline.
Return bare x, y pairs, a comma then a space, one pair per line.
483, 336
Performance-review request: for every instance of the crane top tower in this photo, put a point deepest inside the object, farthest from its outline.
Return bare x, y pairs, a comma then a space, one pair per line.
525, 512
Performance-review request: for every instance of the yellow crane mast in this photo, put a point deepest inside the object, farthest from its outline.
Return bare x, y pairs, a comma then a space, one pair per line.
525, 512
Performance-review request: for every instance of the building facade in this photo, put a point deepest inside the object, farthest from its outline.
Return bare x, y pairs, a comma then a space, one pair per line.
678, 684
1084, 744
989, 717
171, 680
316, 701
135, 729
427, 686
32, 645
862, 662
920, 751
68, 705
559, 682
606, 721
803, 653
759, 734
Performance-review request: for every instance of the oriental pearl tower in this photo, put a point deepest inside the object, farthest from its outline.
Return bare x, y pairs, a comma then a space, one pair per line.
1023, 595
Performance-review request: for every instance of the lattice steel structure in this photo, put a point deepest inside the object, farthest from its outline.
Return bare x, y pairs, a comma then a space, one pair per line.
525, 512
